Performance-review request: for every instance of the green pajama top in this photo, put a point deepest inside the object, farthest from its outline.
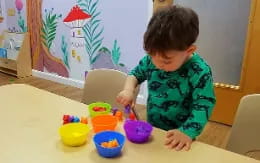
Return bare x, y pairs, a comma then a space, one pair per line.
181, 99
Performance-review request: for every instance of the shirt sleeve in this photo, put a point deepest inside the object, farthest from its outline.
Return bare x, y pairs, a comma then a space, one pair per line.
140, 71
203, 102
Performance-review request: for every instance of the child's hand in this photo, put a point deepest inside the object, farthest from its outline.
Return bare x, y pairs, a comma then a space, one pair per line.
125, 97
178, 140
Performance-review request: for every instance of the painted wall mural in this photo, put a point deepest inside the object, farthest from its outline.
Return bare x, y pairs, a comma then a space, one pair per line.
44, 31
80, 35
3, 15
16, 15
78, 60
21, 19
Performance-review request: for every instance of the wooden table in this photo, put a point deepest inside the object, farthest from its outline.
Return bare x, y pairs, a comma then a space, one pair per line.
30, 119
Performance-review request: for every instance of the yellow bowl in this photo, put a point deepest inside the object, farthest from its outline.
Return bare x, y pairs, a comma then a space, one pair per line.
74, 134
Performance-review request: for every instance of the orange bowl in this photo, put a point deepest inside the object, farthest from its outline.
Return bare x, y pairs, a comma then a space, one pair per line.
104, 122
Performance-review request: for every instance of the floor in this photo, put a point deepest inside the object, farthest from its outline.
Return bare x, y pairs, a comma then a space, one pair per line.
214, 133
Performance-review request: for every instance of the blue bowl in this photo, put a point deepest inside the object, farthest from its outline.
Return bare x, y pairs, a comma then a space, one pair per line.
106, 136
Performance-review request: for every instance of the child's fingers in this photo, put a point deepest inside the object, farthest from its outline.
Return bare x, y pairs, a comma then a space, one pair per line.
125, 102
121, 101
174, 143
180, 146
169, 134
168, 141
118, 99
133, 105
187, 146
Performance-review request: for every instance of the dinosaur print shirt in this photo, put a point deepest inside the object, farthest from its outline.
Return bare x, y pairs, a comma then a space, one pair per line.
181, 99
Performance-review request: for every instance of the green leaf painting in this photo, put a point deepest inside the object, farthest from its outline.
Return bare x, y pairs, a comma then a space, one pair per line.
104, 50
21, 20
64, 49
93, 31
116, 53
121, 64
49, 27
21, 23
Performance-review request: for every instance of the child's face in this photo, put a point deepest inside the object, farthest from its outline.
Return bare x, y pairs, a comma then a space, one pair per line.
173, 59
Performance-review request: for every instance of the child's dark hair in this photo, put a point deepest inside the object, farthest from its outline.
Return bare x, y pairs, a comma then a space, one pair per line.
171, 28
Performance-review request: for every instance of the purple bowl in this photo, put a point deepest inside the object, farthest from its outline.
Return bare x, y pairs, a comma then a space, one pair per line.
137, 131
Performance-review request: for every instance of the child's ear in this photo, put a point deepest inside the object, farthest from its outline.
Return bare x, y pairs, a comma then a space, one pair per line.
191, 49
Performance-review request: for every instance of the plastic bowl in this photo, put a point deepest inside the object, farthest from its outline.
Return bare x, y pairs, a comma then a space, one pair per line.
99, 104
137, 131
106, 136
74, 134
103, 123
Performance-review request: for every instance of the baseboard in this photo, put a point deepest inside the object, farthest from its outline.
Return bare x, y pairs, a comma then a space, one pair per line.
72, 82
58, 79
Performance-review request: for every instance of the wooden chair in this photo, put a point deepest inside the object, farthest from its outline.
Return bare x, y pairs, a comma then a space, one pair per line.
103, 85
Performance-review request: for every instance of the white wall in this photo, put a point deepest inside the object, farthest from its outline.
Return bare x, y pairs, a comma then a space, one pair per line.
3, 24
